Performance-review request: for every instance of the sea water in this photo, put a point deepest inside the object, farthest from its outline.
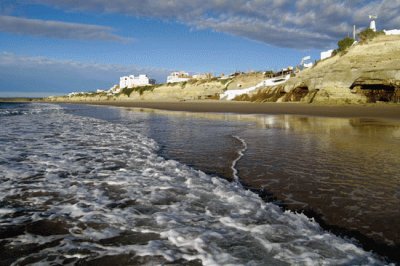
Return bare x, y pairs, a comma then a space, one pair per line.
79, 187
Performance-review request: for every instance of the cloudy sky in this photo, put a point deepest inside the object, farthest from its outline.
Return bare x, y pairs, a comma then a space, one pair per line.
50, 47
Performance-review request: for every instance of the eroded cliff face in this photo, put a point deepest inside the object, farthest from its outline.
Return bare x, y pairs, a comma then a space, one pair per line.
366, 73
377, 89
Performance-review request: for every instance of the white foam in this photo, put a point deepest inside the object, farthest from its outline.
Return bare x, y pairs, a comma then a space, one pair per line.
4, 211
105, 179
240, 155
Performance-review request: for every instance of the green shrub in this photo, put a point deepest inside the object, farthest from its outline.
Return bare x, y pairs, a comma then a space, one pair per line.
127, 91
368, 34
139, 90
344, 44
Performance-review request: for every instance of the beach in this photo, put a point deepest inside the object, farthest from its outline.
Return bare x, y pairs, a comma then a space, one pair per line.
385, 111
200, 133
321, 183
147, 185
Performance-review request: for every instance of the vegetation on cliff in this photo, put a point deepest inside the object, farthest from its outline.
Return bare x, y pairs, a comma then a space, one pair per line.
366, 72
368, 35
343, 45
140, 90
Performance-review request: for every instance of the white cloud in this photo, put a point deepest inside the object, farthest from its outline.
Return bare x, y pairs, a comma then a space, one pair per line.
299, 24
27, 74
57, 29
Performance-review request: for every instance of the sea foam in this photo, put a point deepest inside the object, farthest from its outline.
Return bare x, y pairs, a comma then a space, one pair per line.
84, 189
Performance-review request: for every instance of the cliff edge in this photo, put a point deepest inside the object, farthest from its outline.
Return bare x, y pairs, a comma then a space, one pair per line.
368, 72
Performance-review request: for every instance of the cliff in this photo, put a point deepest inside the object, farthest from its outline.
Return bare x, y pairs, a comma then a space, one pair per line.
182, 91
368, 72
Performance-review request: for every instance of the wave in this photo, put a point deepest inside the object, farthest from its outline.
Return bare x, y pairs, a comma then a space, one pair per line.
27, 108
79, 190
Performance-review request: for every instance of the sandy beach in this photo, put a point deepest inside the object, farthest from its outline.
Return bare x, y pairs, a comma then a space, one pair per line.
383, 111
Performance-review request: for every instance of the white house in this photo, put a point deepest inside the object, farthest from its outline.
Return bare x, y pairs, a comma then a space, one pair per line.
132, 81
392, 32
326, 54
178, 76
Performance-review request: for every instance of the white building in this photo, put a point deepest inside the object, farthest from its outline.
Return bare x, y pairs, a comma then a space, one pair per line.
203, 76
179, 76
372, 24
132, 81
73, 94
392, 32
114, 89
326, 54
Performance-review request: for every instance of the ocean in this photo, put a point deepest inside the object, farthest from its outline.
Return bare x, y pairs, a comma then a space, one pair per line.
101, 185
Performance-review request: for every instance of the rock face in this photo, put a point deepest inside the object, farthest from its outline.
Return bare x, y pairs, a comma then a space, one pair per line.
377, 89
368, 72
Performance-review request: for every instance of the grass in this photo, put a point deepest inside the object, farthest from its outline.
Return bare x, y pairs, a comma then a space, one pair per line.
368, 34
140, 90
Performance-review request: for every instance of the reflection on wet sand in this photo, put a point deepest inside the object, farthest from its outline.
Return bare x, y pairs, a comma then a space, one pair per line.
344, 170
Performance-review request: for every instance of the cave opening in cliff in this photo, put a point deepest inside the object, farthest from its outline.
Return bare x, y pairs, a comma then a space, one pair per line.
299, 93
377, 92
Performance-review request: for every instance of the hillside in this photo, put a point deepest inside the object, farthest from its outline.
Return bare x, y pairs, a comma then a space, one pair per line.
368, 72
183, 91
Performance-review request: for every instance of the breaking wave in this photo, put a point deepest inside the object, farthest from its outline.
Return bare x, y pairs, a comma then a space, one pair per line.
12, 109
76, 189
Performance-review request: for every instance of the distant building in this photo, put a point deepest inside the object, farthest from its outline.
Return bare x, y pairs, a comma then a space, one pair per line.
179, 76
73, 94
114, 89
372, 24
203, 76
132, 81
392, 32
326, 54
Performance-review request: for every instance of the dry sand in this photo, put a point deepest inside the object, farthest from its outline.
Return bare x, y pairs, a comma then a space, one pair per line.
386, 111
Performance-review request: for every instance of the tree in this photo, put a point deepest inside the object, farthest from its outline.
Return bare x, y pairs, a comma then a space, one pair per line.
344, 44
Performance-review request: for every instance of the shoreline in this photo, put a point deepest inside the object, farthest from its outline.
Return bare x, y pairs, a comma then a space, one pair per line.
373, 111
382, 111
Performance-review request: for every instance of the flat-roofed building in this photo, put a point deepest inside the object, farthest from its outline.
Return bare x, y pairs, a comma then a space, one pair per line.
132, 81
178, 76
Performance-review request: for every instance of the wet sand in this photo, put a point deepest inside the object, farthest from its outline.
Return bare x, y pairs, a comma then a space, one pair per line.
325, 208
385, 111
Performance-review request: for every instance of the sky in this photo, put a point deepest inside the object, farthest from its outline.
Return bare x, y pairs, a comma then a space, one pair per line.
52, 47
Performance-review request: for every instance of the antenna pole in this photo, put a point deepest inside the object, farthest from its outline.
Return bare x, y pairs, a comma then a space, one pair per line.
354, 32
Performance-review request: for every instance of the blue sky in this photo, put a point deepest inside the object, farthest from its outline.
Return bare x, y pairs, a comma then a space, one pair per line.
51, 47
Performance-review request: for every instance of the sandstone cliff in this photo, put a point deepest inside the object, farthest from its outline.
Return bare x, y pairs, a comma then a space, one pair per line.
368, 72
